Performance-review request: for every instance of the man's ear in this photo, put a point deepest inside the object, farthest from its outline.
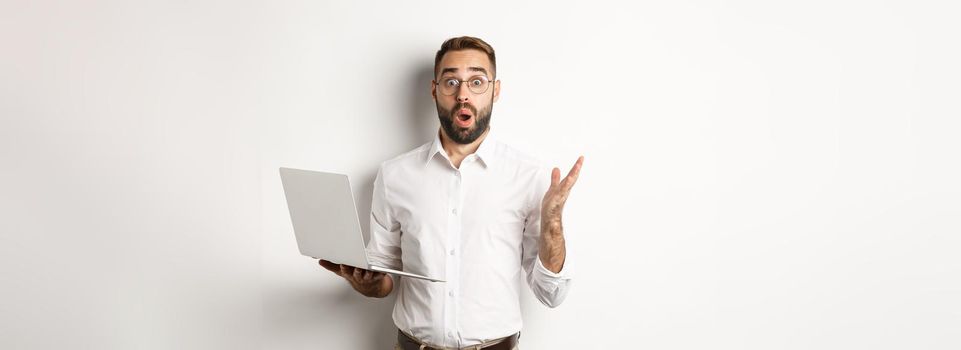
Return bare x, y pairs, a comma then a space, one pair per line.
497, 89
433, 90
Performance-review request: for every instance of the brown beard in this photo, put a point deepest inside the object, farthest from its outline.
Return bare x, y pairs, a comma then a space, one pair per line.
461, 135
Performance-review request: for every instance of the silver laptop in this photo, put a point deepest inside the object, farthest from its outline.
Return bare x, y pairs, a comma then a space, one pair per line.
325, 219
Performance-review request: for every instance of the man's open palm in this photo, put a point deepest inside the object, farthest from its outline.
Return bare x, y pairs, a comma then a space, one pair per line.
553, 204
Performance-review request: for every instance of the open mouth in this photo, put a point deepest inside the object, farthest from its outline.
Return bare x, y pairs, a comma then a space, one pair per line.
464, 117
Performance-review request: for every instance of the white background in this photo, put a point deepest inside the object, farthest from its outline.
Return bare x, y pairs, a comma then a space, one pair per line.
757, 175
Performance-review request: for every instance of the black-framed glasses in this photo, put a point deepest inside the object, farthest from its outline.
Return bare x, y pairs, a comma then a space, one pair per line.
477, 84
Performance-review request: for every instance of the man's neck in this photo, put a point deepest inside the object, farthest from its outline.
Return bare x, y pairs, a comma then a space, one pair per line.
455, 151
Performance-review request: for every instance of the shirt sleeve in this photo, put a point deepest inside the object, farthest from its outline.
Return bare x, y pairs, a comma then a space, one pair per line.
550, 288
384, 246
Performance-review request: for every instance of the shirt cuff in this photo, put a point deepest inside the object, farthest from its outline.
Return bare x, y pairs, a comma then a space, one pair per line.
562, 275
384, 260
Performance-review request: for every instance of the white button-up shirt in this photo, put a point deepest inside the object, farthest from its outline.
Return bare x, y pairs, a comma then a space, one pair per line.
477, 227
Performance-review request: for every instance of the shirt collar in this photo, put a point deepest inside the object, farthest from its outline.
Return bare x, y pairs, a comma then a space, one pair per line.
485, 151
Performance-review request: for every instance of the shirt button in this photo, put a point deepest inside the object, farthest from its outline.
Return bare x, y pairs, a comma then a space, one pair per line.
451, 293
454, 211
451, 252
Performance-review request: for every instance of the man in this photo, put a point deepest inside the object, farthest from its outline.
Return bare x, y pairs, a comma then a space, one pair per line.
469, 210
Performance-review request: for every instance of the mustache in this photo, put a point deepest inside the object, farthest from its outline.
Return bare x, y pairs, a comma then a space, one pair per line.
463, 105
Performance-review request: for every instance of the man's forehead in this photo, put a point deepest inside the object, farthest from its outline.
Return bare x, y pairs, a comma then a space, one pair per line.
472, 69
465, 60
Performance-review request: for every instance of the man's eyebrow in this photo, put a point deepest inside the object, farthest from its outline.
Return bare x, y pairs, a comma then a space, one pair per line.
472, 69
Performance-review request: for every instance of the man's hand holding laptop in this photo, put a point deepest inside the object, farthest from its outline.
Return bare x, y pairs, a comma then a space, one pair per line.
369, 283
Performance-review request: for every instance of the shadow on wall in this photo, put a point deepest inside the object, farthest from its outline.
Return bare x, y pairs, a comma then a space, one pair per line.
421, 109
420, 114
307, 318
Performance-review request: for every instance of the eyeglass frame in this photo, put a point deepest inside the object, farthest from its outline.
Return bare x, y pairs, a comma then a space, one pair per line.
490, 81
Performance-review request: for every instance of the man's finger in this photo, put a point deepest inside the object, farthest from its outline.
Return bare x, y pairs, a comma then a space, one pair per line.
358, 274
332, 267
573, 174
555, 177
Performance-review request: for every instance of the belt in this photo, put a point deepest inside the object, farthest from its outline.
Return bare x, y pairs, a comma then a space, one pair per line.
410, 343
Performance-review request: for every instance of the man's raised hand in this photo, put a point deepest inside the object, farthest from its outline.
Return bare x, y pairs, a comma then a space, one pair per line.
552, 207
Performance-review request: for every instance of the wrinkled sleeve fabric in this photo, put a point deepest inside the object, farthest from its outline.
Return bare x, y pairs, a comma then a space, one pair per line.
383, 248
550, 288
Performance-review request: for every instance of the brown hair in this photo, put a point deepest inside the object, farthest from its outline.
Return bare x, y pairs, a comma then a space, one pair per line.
465, 43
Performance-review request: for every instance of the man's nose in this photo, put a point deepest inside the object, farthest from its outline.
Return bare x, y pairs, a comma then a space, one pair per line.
463, 93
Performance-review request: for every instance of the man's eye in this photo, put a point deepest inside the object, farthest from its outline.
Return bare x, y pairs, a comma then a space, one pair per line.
451, 83
476, 82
